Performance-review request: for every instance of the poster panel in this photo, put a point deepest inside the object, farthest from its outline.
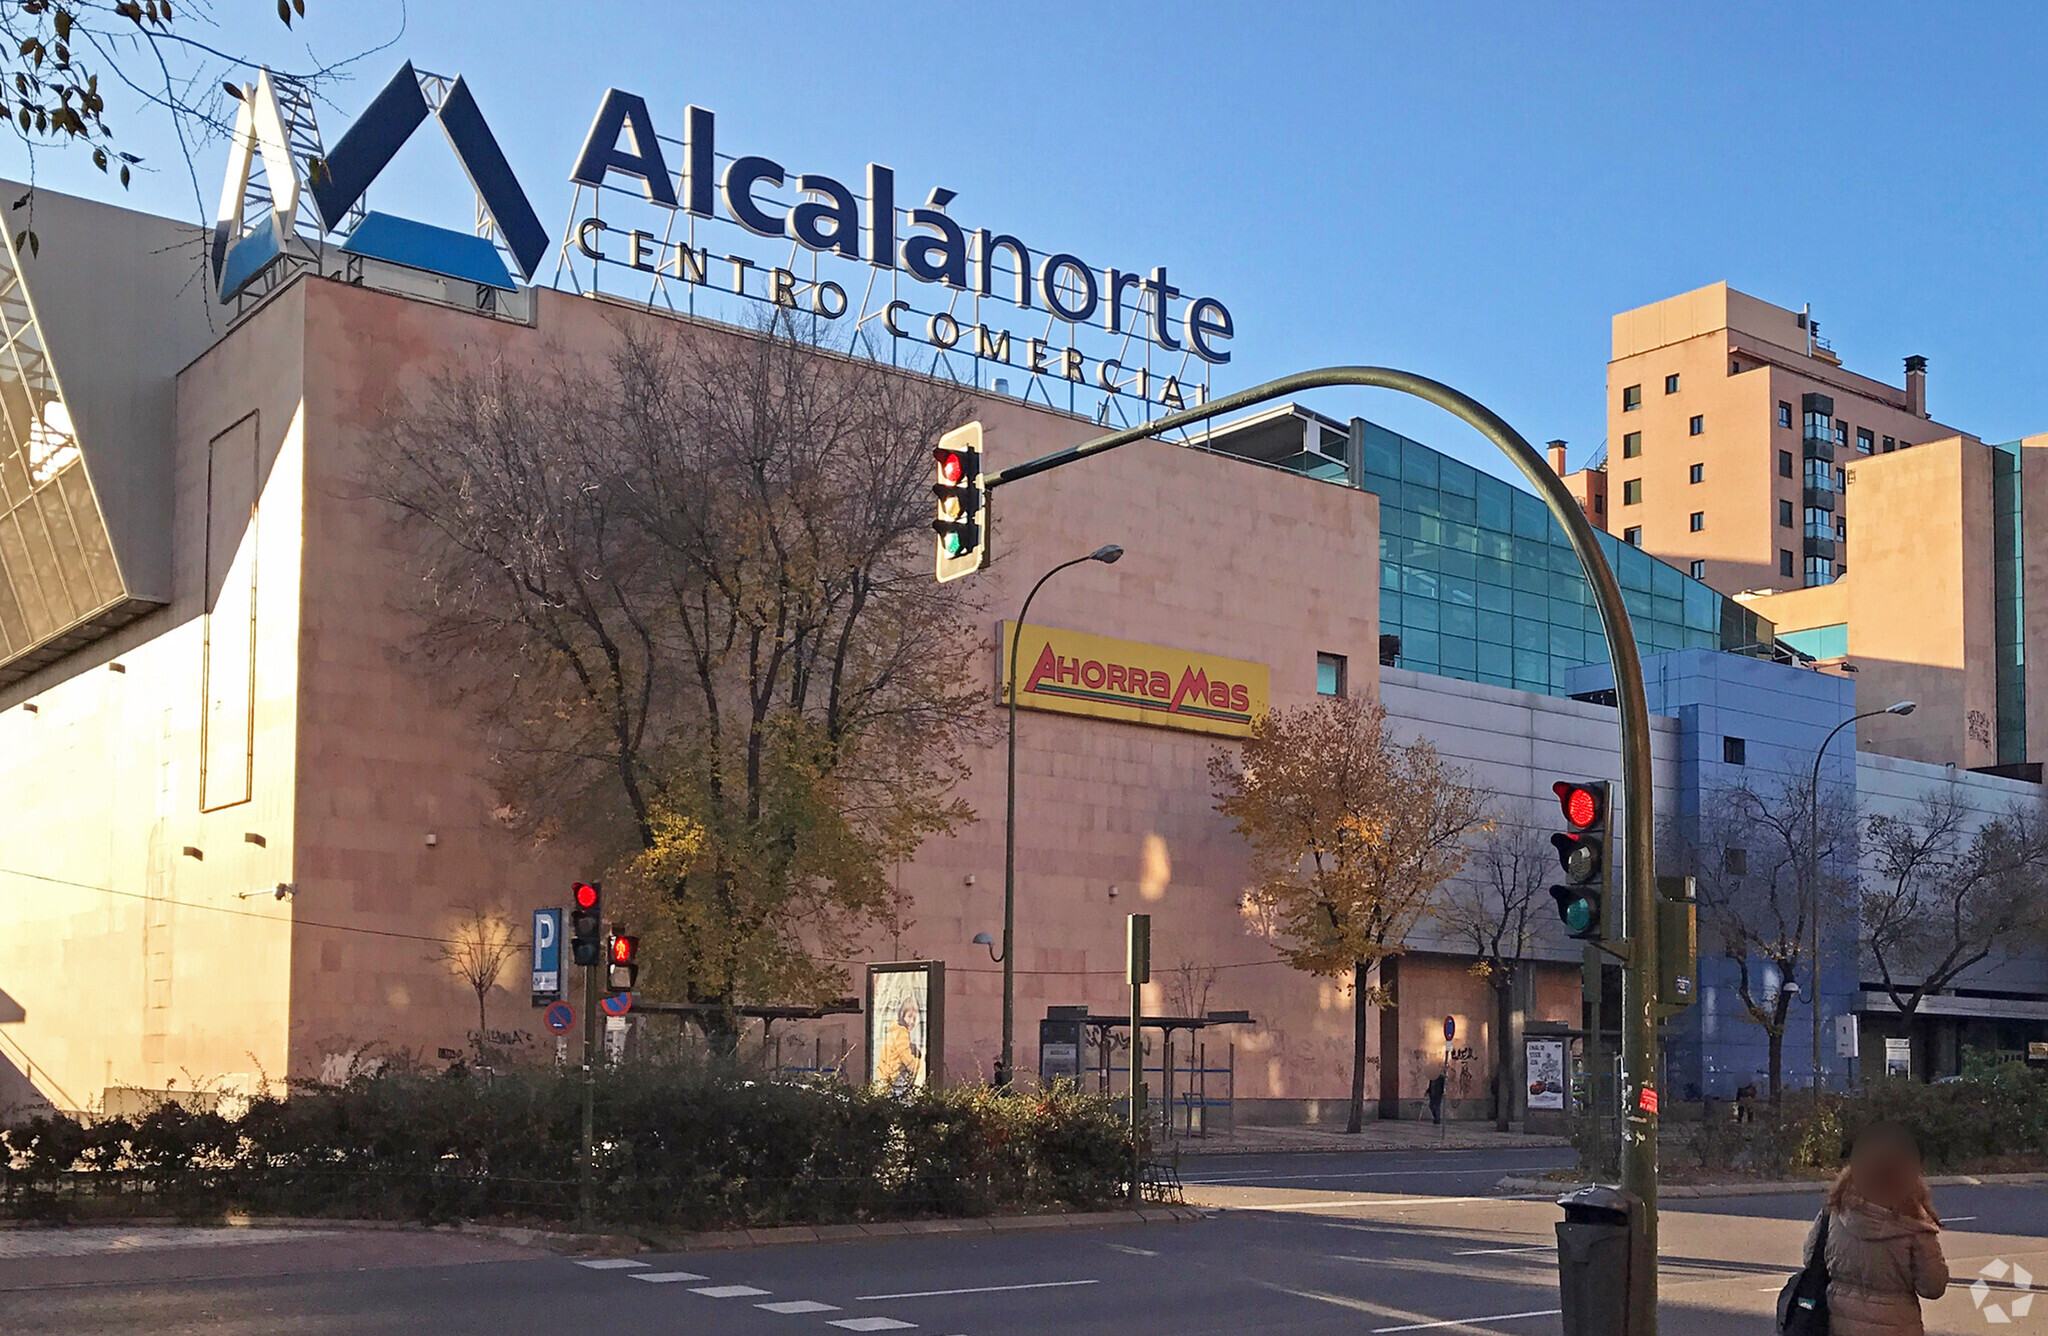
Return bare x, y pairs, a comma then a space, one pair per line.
1545, 1059
906, 1006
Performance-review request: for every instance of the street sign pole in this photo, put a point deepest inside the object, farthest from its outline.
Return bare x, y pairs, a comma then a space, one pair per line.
1138, 970
586, 1186
1639, 861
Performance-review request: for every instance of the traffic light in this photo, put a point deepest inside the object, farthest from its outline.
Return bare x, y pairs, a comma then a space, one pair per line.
625, 963
1582, 850
958, 492
586, 924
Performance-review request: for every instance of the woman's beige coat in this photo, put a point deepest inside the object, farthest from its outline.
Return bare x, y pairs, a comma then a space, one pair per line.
1880, 1266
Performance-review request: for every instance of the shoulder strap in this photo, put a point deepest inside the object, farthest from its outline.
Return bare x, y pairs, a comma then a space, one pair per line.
1820, 1243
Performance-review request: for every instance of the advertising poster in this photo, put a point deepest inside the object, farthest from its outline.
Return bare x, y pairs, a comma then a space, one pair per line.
1898, 1057
906, 1027
1545, 1059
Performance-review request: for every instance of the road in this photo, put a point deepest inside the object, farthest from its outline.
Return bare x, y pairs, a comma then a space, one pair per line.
1367, 1244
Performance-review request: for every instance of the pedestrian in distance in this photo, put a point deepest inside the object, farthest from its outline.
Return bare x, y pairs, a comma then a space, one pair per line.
1877, 1243
1436, 1099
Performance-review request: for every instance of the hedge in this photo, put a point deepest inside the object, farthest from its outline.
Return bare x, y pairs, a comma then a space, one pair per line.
678, 1148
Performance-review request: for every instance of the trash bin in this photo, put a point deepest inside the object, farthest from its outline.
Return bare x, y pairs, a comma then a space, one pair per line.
1597, 1245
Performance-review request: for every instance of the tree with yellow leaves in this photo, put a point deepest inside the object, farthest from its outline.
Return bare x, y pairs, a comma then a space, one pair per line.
1351, 834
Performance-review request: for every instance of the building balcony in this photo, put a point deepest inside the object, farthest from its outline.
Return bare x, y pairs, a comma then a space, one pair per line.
1820, 547
1818, 498
1820, 447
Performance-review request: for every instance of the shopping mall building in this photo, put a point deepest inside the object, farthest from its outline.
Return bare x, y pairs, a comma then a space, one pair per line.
233, 808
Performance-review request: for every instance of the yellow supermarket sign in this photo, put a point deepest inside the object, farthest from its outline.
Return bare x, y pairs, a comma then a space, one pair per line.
1072, 672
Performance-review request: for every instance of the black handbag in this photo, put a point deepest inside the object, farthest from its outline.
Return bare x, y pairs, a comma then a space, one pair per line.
1803, 1303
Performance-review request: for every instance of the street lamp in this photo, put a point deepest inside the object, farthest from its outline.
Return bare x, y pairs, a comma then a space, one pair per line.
1108, 554
1903, 707
983, 939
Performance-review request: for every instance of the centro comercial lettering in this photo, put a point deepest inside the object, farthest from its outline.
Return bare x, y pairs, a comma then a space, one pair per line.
832, 219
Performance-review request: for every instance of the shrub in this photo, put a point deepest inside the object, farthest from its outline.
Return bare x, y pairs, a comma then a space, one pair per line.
677, 1147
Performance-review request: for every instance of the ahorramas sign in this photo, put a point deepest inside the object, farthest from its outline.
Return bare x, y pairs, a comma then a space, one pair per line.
1073, 672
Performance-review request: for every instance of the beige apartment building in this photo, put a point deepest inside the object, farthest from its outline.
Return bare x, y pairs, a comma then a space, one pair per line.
1729, 424
1940, 604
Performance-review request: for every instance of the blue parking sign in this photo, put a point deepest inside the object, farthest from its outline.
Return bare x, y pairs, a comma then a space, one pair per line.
547, 955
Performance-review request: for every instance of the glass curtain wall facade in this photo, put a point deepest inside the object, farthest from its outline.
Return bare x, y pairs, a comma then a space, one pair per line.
2009, 596
1479, 582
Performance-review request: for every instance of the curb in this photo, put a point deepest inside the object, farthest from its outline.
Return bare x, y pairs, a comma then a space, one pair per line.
574, 1244
1190, 1152
1768, 1188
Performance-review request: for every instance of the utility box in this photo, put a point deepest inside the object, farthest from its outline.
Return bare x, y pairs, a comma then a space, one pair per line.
1601, 1244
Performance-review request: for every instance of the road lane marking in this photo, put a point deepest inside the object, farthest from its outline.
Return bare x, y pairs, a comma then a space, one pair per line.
872, 1324
611, 1263
1958, 1219
1468, 1321
1377, 1173
1373, 1201
730, 1291
799, 1306
1525, 1248
1126, 1248
667, 1277
979, 1289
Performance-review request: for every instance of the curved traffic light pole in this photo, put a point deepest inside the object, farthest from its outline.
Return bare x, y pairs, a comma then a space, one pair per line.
1639, 881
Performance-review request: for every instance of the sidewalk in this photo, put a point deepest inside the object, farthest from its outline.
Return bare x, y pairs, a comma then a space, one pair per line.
1388, 1135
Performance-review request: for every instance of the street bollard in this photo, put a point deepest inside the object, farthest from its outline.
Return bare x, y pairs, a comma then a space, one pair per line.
1600, 1243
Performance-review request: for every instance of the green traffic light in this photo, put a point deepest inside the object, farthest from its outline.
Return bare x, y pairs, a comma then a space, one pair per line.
1578, 915
954, 544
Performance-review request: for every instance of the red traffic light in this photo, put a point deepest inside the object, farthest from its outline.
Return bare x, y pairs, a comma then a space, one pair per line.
1581, 805
624, 949
951, 467
586, 895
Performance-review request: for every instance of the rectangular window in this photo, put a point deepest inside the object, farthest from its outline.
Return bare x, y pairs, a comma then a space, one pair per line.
1784, 413
1631, 398
1785, 562
1841, 432
1841, 480
1699, 520
1633, 537
1841, 529
1699, 425
1820, 571
1785, 463
1699, 570
1632, 492
1671, 384
1699, 473
1735, 751
1784, 517
1600, 503
1734, 367
1890, 445
1735, 862
1864, 442
1631, 445
1330, 674
1820, 475
1819, 523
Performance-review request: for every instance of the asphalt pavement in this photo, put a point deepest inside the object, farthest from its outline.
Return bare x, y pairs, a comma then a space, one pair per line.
1364, 1244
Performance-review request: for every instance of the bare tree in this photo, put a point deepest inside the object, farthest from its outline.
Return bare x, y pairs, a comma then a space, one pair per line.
1761, 879
1351, 834
688, 593
1494, 913
1188, 986
1939, 897
477, 952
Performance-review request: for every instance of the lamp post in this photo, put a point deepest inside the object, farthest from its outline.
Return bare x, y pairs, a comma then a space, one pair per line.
1108, 554
1903, 707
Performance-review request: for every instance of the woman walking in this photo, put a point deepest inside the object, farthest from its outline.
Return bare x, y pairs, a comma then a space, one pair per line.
1883, 1238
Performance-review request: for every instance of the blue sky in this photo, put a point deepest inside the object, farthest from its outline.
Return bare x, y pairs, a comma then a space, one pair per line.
1468, 191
